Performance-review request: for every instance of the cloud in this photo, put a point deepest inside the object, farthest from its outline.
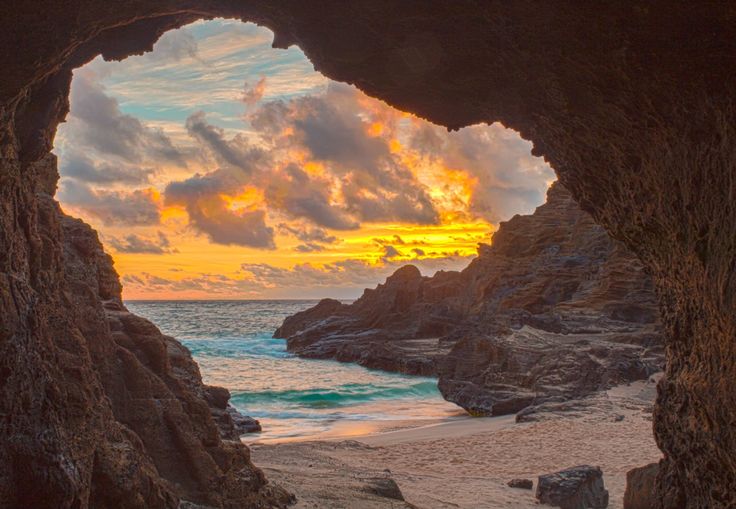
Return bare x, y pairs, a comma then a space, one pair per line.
203, 197
361, 169
119, 208
134, 243
506, 178
309, 247
175, 45
252, 95
302, 196
308, 233
390, 252
96, 123
233, 153
80, 167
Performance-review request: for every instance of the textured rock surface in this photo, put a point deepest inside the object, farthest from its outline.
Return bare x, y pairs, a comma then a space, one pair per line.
127, 420
633, 105
574, 488
554, 310
640, 487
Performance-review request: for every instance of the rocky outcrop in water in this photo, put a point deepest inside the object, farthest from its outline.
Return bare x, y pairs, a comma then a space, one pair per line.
632, 104
554, 310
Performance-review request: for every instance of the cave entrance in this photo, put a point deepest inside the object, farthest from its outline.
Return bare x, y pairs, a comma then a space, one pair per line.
216, 169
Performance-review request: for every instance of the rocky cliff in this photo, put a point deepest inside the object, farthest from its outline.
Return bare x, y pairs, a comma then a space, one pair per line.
553, 310
109, 412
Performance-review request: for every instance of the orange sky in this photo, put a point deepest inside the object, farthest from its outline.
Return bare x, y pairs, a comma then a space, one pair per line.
217, 167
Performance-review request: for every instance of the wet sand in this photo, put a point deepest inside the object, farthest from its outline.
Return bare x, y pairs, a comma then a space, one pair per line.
466, 462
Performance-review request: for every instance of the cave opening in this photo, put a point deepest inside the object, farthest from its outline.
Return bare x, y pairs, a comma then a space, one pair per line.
636, 125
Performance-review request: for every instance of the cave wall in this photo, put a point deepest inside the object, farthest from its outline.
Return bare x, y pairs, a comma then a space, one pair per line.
632, 103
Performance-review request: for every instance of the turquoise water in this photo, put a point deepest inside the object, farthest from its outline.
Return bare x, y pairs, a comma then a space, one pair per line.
293, 398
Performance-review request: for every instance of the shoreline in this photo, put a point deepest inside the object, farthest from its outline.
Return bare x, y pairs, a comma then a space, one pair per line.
466, 463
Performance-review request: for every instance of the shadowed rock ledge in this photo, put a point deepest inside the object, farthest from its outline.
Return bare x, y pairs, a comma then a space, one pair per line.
554, 310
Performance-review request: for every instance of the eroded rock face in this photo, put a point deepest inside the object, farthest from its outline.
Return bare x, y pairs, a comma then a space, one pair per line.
128, 421
554, 310
632, 104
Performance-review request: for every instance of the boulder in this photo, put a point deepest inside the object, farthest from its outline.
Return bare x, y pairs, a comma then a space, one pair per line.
578, 487
523, 484
640, 487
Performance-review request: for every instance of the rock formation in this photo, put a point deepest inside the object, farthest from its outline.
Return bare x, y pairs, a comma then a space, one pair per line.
574, 488
160, 436
634, 105
640, 487
554, 310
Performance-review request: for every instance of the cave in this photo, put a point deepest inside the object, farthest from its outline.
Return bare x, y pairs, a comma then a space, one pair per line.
632, 105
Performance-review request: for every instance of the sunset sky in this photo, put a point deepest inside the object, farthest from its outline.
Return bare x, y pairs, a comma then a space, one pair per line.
218, 167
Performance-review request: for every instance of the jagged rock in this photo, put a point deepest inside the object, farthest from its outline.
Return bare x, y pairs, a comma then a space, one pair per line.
554, 310
523, 484
578, 487
640, 487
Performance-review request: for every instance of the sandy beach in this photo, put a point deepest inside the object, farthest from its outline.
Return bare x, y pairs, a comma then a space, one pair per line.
466, 463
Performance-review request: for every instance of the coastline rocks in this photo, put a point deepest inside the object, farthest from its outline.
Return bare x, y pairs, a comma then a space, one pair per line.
578, 487
179, 433
640, 487
522, 484
553, 310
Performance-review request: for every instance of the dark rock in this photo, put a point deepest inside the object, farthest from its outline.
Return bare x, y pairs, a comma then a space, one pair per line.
640, 487
384, 487
554, 310
574, 488
523, 484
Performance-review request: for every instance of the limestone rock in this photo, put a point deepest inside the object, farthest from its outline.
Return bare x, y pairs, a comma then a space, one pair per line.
578, 487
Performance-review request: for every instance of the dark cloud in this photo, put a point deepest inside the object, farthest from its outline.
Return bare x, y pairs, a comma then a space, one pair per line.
308, 233
234, 152
80, 167
122, 208
201, 196
96, 123
373, 184
134, 243
305, 197
390, 252
310, 247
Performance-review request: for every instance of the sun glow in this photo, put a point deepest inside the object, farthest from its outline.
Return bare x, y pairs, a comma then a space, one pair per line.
265, 179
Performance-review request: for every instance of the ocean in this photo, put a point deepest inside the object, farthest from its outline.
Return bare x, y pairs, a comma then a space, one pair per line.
293, 398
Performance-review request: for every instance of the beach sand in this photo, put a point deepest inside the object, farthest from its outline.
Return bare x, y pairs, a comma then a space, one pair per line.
466, 463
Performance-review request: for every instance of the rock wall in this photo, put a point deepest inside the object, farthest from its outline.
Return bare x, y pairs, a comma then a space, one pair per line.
106, 411
553, 310
633, 105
